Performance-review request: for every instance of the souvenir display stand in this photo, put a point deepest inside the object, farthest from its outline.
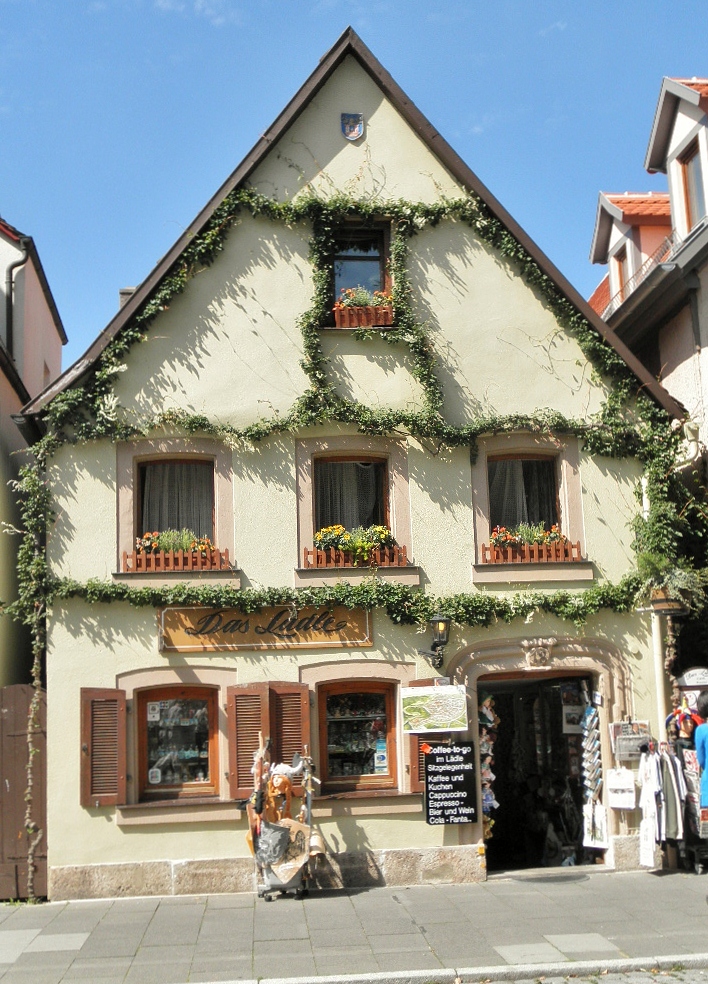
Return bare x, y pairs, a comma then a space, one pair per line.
281, 846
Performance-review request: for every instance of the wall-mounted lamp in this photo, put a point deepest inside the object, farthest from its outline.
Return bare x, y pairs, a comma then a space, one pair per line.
440, 626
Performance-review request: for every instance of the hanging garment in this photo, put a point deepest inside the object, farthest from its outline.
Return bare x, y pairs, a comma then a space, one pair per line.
651, 795
673, 806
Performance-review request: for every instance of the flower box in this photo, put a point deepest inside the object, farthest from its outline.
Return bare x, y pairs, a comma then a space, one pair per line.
161, 561
559, 551
363, 316
662, 603
380, 557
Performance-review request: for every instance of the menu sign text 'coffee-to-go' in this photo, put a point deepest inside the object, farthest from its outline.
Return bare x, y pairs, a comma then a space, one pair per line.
450, 787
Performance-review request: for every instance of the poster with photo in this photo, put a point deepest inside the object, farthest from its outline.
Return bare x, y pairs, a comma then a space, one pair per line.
627, 738
572, 718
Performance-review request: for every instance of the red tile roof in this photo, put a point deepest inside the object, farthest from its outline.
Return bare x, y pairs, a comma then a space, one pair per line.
698, 85
600, 297
635, 206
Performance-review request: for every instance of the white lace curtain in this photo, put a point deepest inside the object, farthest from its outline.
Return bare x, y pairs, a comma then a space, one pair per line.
522, 491
346, 493
179, 495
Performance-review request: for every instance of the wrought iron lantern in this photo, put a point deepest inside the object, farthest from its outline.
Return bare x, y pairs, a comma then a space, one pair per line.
440, 627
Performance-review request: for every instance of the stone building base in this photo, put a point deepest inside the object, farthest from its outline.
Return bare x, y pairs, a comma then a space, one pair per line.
351, 870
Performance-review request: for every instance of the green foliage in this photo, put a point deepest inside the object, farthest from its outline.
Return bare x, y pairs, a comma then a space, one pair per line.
628, 423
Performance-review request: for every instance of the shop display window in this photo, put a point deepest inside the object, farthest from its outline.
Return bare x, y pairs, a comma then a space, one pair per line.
177, 730
357, 736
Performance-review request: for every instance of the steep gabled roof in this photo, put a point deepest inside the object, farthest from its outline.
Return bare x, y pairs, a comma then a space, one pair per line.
18, 237
349, 44
631, 208
692, 91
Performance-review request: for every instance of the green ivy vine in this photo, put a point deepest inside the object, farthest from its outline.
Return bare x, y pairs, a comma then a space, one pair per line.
629, 422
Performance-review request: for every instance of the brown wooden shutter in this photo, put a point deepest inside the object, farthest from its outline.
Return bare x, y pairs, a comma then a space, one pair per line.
103, 750
417, 757
289, 722
247, 714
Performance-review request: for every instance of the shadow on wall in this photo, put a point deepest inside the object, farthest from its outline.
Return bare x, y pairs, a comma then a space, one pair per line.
442, 283
232, 318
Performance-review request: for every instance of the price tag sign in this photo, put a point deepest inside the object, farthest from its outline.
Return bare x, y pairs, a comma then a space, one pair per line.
450, 786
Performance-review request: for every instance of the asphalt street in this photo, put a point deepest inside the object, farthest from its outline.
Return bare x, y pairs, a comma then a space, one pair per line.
584, 923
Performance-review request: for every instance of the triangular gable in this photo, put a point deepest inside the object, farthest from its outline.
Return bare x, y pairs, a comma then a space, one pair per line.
673, 91
349, 44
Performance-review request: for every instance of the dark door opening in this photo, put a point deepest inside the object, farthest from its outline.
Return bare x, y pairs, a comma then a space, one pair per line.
536, 769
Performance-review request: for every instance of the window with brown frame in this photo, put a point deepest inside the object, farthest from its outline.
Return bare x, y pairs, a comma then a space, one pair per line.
693, 187
177, 739
177, 742
622, 267
357, 727
360, 259
351, 491
522, 490
176, 494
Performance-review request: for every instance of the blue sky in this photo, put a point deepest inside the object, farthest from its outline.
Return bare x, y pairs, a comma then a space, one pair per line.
121, 118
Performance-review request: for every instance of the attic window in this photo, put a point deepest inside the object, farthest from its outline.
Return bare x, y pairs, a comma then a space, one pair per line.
694, 192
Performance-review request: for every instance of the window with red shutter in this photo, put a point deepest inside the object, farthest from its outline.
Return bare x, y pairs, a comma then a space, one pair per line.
103, 765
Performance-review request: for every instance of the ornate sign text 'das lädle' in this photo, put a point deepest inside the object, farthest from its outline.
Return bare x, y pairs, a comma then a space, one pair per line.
194, 629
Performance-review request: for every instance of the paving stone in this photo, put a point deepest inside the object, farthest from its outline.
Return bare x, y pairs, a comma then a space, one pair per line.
153, 973
35, 975
163, 954
408, 961
13, 942
523, 953
352, 963
574, 943
297, 966
93, 968
400, 943
221, 971
246, 900
281, 948
57, 941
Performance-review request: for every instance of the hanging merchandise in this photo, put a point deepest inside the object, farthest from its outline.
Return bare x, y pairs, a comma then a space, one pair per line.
621, 793
651, 805
488, 723
592, 763
595, 826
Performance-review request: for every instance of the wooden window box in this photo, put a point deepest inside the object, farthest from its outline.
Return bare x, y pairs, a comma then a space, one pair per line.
363, 317
532, 553
380, 557
161, 561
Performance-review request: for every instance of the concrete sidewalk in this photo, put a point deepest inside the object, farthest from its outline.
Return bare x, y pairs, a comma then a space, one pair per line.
556, 922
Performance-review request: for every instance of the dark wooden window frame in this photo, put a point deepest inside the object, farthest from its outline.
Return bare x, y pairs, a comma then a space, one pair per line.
170, 692
380, 229
527, 457
621, 266
687, 157
139, 484
358, 783
365, 458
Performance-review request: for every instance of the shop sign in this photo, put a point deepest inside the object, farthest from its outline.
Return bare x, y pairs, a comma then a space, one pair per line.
450, 786
434, 709
190, 629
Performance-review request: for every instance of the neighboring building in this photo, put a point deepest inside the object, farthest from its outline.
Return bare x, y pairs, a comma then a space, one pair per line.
157, 696
655, 295
31, 337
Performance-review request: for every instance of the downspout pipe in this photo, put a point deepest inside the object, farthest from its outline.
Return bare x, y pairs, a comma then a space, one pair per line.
9, 294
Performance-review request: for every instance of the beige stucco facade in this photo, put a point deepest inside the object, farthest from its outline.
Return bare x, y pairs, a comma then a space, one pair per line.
229, 348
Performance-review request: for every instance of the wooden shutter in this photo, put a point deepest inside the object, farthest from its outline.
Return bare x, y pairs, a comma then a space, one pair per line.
289, 721
247, 714
103, 751
415, 741
280, 711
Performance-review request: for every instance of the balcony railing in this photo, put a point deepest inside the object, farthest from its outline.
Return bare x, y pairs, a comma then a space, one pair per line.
661, 254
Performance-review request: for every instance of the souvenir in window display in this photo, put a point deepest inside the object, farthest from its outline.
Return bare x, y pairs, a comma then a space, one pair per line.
177, 742
356, 734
